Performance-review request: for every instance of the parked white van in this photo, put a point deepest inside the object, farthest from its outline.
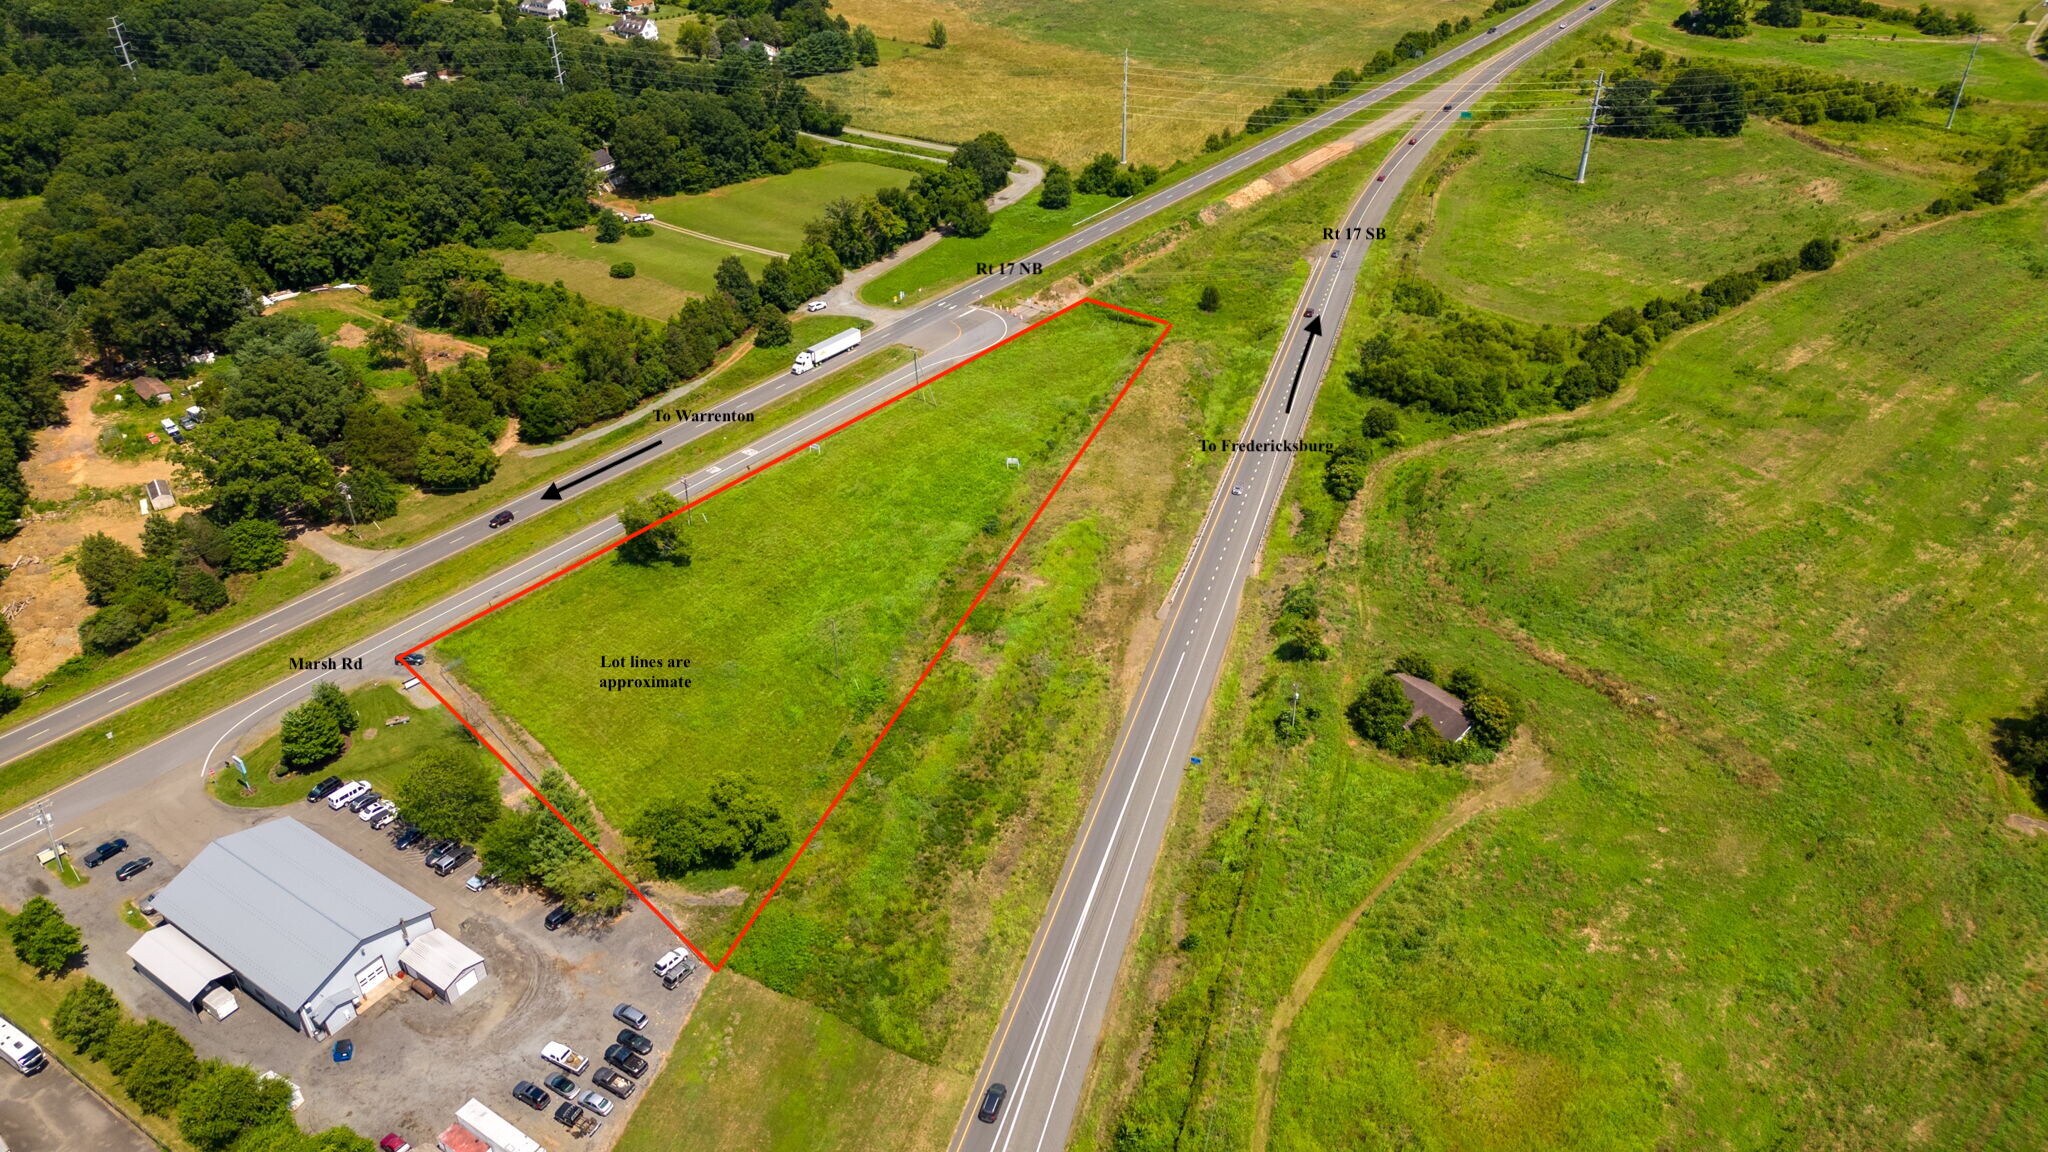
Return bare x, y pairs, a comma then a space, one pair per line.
346, 793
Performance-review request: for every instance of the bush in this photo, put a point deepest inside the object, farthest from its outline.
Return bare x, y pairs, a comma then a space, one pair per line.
1493, 721
2022, 742
1417, 665
1380, 422
733, 823
1058, 190
664, 543
1211, 300
1380, 712
623, 270
1818, 254
200, 589
157, 1065
87, 1017
43, 939
254, 545
610, 227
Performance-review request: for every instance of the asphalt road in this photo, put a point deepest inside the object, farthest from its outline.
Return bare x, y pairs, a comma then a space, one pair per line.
1050, 1029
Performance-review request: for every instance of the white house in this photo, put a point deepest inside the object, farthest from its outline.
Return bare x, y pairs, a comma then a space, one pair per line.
545, 9
635, 28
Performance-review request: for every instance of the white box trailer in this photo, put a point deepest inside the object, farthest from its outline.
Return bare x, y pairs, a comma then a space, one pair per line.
20, 1051
496, 1132
824, 350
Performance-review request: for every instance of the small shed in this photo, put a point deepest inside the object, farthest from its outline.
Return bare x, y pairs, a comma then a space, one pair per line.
152, 389
179, 966
443, 963
159, 494
1445, 712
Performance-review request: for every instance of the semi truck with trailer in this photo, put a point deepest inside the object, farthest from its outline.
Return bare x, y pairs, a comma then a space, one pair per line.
824, 350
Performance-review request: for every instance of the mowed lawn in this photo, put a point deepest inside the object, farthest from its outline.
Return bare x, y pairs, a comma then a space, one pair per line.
669, 267
1514, 234
1014, 233
1763, 615
381, 752
771, 212
805, 584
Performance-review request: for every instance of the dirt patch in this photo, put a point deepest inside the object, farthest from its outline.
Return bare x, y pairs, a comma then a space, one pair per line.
1517, 777
440, 349
67, 457
351, 336
2028, 825
43, 598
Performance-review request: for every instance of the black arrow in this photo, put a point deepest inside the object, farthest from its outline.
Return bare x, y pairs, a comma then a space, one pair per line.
1314, 329
555, 491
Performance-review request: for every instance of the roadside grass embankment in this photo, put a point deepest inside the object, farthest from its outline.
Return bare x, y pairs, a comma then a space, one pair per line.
771, 212
1015, 232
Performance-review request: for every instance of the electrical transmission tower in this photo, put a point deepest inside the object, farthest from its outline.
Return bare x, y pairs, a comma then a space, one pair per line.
121, 42
555, 50
1592, 121
1124, 120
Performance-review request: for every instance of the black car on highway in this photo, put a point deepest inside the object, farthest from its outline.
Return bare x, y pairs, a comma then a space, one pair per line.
105, 852
323, 789
992, 1104
621, 1057
641, 1045
530, 1094
133, 868
501, 519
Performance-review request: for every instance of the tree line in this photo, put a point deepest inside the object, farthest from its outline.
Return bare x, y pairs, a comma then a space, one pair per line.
1729, 19
1296, 103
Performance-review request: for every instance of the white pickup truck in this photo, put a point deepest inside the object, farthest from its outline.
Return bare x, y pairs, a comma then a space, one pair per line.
564, 1057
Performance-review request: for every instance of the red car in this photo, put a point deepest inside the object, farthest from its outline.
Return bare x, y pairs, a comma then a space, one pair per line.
393, 1142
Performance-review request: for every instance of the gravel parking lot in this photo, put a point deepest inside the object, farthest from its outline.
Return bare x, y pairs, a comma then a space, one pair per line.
415, 1060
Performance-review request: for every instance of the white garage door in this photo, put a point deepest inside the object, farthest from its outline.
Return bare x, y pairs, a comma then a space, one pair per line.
372, 976
464, 983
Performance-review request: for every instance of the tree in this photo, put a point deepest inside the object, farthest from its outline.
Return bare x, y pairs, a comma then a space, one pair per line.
161, 538
866, 49
106, 567
1298, 625
734, 822
2022, 742
1381, 712
311, 736
86, 1018
386, 345
663, 543
1099, 174
451, 794
936, 38
1212, 298
1493, 720
164, 304
453, 458
43, 939
1380, 422
123, 624
610, 228
338, 705
368, 493
623, 270
1058, 189
732, 279
255, 546
1721, 19
988, 157
378, 434
199, 589
159, 1065
771, 328
1415, 664
258, 468
1706, 102
1818, 254
1780, 14
1630, 107
228, 1100
1464, 683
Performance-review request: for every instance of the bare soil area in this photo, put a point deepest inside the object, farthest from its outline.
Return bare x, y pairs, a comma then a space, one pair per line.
67, 457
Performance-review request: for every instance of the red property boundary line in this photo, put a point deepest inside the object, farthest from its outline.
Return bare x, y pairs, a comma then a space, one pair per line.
719, 964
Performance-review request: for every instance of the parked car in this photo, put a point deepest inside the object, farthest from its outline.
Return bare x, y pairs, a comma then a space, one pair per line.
105, 852
568, 1115
641, 1045
612, 1082
556, 1082
992, 1103
674, 962
631, 1017
815, 306
480, 881
406, 837
564, 1057
344, 795
623, 1058
344, 1051
390, 815
133, 868
323, 789
365, 800
376, 808
644, 218
597, 1102
435, 849
462, 854
558, 916
393, 1142
532, 1095
502, 519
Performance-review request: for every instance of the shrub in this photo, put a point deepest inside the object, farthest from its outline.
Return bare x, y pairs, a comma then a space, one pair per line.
664, 543
43, 939
1211, 300
610, 227
2022, 742
86, 1018
1415, 664
623, 270
1380, 712
733, 823
1818, 254
255, 545
1493, 721
1058, 190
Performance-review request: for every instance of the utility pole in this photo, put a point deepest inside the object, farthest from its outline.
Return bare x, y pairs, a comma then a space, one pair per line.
1124, 120
555, 50
121, 42
1592, 121
1958, 103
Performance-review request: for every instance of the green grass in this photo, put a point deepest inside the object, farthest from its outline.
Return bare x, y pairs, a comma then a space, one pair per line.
1514, 234
133, 917
669, 267
63, 870
379, 752
771, 212
806, 584
757, 1070
1014, 233
1762, 614
12, 212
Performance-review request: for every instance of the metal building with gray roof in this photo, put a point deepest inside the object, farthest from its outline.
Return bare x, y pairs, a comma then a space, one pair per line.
308, 930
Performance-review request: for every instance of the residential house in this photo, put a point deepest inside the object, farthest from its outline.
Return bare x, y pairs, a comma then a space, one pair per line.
545, 9
635, 28
152, 389
1445, 712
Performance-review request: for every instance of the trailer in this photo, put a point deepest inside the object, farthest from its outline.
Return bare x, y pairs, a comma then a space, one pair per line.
21, 1052
824, 350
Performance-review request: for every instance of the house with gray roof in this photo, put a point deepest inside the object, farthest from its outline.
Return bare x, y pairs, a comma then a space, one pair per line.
1445, 712
308, 931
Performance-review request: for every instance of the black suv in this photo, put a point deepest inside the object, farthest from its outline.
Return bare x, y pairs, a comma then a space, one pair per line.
622, 1058
558, 916
569, 1115
407, 837
454, 858
323, 789
105, 852
501, 519
530, 1094
992, 1104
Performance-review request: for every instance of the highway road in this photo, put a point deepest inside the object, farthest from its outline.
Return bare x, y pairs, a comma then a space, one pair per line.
1049, 1031
952, 319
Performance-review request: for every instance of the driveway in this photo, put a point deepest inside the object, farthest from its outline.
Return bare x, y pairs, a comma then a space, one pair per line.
416, 1060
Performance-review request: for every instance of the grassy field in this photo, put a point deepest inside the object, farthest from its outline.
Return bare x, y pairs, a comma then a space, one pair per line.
1512, 232
1014, 232
379, 752
1049, 76
753, 1066
669, 267
771, 212
806, 583
1761, 612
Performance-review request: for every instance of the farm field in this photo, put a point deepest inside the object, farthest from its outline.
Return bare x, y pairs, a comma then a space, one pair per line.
806, 585
1761, 612
669, 267
1016, 231
771, 212
1514, 234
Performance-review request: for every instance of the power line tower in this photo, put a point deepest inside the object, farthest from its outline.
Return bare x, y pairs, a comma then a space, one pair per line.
1958, 102
555, 50
1592, 121
1124, 119
121, 42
